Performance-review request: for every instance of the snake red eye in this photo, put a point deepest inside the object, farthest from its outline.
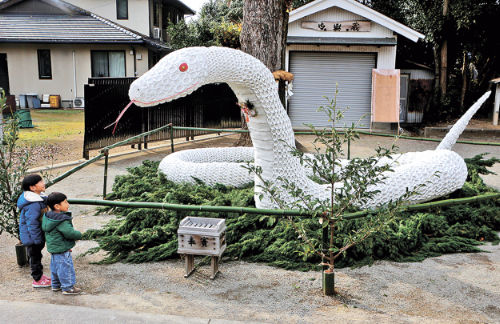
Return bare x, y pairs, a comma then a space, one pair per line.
183, 67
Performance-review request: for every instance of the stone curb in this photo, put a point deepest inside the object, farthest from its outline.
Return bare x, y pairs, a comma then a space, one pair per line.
469, 132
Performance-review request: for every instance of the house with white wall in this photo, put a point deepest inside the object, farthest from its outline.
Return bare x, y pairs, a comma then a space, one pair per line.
338, 44
53, 47
147, 17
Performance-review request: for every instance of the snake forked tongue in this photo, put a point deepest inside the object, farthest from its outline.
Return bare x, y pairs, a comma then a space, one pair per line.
119, 117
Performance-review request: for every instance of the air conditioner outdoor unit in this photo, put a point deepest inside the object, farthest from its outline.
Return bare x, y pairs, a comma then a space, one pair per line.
156, 32
79, 102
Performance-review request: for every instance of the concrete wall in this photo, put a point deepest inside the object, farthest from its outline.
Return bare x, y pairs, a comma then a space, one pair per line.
22, 63
138, 12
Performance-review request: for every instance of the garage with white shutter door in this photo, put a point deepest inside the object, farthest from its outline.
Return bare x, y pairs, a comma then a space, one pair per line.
344, 42
317, 74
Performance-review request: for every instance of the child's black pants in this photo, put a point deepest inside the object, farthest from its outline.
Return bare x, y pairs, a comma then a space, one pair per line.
35, 255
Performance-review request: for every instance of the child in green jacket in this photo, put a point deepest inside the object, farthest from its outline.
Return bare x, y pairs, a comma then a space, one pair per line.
60, 238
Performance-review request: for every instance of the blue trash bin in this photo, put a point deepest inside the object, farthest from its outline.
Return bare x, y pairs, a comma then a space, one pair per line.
22, 101
30, 98
36, 103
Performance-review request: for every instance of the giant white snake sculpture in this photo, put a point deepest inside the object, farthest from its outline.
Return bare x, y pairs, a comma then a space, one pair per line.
182, 72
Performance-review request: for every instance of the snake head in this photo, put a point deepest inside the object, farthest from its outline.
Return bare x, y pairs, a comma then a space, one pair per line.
176, 75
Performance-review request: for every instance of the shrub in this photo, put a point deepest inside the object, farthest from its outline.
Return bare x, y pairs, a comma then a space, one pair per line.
13, 167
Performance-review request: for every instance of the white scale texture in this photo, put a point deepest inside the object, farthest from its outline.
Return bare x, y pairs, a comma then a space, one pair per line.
272, 135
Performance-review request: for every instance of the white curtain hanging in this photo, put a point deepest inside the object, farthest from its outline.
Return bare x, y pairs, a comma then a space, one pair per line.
116, 64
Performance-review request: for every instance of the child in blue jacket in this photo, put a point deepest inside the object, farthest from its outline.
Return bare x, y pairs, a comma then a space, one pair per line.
32, 204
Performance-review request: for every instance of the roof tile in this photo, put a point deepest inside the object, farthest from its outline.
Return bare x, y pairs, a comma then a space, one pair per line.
62, 28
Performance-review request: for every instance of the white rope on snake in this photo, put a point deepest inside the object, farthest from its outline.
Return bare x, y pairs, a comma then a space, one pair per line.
181, 72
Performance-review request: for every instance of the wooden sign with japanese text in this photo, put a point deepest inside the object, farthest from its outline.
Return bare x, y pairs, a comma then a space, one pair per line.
201, 244
338, 26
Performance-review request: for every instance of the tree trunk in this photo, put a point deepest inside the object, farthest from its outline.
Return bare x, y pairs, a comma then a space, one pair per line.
263, 35
464, 82
437, 73
444, 67
262, 32
444, 51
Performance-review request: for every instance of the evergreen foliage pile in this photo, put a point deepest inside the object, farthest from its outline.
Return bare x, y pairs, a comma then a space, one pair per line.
144, 235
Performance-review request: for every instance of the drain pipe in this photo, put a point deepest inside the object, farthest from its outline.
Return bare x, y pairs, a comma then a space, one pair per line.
75, 90
135, 61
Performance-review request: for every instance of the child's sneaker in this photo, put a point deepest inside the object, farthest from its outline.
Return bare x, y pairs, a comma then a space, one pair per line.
56, 288
44, 282
72, 291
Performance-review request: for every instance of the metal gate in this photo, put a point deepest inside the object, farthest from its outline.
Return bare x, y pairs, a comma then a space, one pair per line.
211, 106
316, 76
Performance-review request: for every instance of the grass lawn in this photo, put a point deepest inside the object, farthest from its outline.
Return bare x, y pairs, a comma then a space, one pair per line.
54, 125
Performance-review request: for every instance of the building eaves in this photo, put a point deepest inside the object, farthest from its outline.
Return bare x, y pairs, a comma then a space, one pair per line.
359, 9
408, 64
60, 29
341, 41
62, 5
7, 3
81, 26
151, 42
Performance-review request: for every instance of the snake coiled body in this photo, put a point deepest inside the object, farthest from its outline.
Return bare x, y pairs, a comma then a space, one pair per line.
181, 72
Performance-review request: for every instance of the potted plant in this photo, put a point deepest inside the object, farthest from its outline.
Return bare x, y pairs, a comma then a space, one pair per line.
13, 167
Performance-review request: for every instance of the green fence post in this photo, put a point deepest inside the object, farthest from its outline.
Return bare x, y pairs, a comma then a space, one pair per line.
172, 138
327, 278
139, 144
105, 182
325, 284
348, 148
324, 244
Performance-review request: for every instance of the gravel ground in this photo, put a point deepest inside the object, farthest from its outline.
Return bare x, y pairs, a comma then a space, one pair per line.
454, 288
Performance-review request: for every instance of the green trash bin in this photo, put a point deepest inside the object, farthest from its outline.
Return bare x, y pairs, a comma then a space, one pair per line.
24, 117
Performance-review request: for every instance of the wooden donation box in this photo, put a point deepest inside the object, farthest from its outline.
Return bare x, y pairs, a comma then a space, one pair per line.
201, 236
